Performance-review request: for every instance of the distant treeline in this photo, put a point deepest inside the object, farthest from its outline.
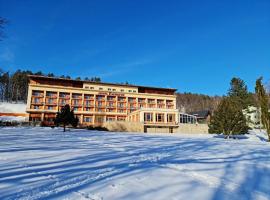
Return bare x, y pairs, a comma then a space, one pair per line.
188, 102
14, 86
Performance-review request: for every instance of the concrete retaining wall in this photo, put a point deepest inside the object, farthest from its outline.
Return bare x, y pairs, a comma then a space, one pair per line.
124, 126
192, 128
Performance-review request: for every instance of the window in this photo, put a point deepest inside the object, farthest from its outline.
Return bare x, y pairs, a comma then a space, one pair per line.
75, 109
36, 107
170, 117
86, 87
114, 90
87, 109
159, 117
121, 110
121, 105
36, 100
134, 91
129, 90
50, 108
99, 104
92, 88
109, 89
100, 88
122, 90
87, 119
110, 104
148, 117
76, 102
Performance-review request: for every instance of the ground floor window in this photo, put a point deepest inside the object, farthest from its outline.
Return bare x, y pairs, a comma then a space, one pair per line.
88, 119
148, 117
159, 117
171, 117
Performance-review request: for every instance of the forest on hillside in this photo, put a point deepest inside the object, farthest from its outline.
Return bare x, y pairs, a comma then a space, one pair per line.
189, 102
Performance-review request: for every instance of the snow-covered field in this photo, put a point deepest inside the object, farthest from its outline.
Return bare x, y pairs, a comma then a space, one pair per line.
45, 163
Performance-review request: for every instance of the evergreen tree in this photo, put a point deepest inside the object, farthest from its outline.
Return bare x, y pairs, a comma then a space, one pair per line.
264, 104
228, 119
66, 117
239, 93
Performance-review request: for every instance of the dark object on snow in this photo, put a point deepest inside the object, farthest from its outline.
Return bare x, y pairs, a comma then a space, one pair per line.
66, 117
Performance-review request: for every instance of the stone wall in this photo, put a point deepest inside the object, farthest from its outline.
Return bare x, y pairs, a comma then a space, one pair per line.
124, 126
192, 128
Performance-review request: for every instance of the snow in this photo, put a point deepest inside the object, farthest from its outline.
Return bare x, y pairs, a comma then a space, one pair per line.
12, 118
12, 107
45, 163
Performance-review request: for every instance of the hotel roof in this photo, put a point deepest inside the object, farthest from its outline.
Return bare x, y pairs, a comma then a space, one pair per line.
98, 83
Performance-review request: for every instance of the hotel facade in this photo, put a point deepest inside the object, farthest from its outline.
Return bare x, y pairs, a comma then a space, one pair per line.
95, 103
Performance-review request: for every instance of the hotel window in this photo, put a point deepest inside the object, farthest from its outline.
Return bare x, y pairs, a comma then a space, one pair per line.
86, 87
134, 91
121, 105
99, 104
121, 111
114, 90
87, 119
121, 98
100, 88
129, 90
122, 90
109, 89
99, 98
87, 109
110, 119
75, 109
36, 100
148, 117
50, 101
50, 108
110, 104
76, 102
36, 107
159, 117
110, 98
92, 88
170, 117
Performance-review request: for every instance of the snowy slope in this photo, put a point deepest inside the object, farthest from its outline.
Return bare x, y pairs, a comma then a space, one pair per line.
45, 163
12, 107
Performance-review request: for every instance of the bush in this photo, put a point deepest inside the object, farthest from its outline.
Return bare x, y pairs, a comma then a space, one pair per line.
97, 128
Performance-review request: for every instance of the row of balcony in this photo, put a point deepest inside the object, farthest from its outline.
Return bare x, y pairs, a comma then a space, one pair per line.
91, 97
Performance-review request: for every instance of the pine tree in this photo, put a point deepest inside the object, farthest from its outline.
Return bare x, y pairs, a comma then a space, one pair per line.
238, 92
228, 119
66, 117
263, 102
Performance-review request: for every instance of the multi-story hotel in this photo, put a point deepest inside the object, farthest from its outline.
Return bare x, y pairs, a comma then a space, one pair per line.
95, 103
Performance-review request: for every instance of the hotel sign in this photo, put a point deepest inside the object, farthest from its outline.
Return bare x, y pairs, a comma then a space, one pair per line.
111, 94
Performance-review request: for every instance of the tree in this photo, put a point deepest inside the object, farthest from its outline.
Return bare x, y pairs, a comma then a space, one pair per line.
78, 79
228, 119
66, 117
50, 75
239, 93
264, 104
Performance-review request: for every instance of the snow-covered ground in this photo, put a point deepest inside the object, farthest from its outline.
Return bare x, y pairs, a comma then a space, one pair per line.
12, 107
45, 163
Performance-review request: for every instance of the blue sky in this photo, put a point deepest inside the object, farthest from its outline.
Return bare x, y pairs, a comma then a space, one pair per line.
194, 46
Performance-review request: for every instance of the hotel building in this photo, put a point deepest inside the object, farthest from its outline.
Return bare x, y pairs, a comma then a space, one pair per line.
95, 103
